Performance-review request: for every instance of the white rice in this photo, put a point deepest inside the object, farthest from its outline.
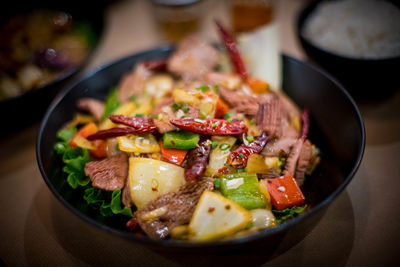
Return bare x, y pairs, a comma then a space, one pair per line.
355, 28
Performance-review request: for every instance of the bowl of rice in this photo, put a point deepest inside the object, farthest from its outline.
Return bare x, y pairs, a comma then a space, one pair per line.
357, 41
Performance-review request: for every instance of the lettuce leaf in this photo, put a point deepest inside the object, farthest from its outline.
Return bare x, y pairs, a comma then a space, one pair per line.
104, 202
74, 158
109, 203
288, 213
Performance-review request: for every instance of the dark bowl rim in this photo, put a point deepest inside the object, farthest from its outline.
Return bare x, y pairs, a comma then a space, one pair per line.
302, 17
185, 244
64, 75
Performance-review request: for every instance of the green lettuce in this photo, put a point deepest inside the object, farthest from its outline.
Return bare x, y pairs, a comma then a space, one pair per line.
288, 213
109, 203
74, 158
106, 202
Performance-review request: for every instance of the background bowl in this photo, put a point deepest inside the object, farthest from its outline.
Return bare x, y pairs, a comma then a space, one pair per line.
365, 79
31, 106
339, 133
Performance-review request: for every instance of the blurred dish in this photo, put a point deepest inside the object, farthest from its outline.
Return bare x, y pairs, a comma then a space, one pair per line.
39, 47
367, 29
365, 58
38, 64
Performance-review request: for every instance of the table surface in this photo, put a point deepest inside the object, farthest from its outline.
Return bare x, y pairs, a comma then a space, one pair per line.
359, 229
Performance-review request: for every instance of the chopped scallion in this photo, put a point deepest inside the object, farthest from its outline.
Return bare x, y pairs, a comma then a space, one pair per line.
250, 138
224, 146
228, 115
214, 145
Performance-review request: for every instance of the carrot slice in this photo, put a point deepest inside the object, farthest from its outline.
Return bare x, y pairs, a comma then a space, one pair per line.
100, 151
85, 131
258, 86
285, 192
221, 109
173, 155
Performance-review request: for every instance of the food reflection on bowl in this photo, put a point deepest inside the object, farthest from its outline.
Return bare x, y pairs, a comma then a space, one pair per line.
343, 148
357, 41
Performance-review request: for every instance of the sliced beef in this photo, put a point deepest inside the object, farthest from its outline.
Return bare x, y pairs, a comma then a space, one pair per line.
288, 130
272, 173
126, 195
167, 113
239, 101
193, 58
278, 147
93, 106
177, 209
133, 82
269, 114
303, 162
290, 113
289, 109
164, 114
108, 174
291, 161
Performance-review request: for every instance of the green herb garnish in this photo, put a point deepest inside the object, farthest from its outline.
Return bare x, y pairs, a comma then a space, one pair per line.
203, 88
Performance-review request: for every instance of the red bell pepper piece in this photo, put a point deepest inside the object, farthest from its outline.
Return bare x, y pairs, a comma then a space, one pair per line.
85, 131
284, 192
233, 51
240, 155
211, 126
173, 155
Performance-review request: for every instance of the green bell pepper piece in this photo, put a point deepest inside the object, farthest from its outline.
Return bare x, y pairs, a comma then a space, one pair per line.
243, 189
180, 139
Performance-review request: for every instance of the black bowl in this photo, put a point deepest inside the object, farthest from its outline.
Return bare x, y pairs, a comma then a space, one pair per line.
338, 132
31, 106
365, 79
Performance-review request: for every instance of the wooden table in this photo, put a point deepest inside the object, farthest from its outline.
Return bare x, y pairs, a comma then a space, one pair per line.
359, 229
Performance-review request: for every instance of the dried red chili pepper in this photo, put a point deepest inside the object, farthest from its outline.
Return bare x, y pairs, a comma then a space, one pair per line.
240, 155
223, 170
211, 126
305, 119
197, 161
132, 225
233, 51
139, 123
157, 64
114, 132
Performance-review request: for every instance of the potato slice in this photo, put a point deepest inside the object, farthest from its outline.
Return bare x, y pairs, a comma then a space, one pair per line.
216, 216
219, 154
150, 178
138, 143
261, 164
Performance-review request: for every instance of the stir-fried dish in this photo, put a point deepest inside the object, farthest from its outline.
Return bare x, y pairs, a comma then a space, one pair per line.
181, 151
38, 47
